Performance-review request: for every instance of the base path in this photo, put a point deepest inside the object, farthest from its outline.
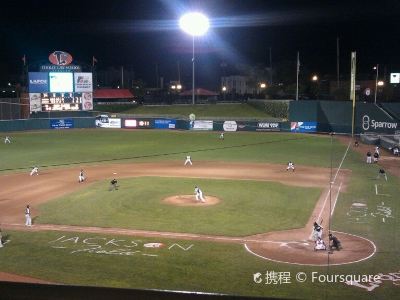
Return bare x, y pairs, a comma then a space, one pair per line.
290, 246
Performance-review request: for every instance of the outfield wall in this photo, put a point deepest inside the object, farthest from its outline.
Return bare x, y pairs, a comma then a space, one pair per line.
336, 116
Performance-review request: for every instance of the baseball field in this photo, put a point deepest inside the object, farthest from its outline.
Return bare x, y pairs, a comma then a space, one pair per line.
251, 237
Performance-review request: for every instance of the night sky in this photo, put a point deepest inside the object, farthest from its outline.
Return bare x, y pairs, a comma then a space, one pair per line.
140, 34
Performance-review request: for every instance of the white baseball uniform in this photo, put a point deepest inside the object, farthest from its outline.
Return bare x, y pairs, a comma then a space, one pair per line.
28, 219
81, 177
1, 243
35, 171
221, 136
7, 140
188, 160
290, 166
199, 194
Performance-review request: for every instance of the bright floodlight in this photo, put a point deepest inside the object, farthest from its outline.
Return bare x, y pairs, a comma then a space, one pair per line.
195, 24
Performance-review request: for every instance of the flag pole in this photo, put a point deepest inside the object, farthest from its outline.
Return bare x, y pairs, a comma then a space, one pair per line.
353, 89
297, 76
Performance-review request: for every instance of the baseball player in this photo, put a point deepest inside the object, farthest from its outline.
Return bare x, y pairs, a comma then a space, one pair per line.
199, 194
377, 150
81, 177
35, 171
381, 173
396, 151
376, 157
356, 144
290, 166
221, 136
335, 242
28, 219
317, 233
1, 243
113, 185
7, 140
188, 160
319, 244
369, 158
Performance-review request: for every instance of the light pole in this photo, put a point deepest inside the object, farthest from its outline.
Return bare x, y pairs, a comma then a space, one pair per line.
376, 81
194, 24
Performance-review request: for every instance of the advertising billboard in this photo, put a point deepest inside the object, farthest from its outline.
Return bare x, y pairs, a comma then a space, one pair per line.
201, 125
134, 123
303, 126
268, 126
61, 82
83, 82
87, 101
61, 123
165, 124
35, 102
38, 82
230, 126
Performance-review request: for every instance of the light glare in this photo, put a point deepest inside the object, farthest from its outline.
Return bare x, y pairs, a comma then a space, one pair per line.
195, 24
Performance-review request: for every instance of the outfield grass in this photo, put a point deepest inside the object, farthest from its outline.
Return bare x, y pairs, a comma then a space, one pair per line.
201, 111
247, 207
63, 147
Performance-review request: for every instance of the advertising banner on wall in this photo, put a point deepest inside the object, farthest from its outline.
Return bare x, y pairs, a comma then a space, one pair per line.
303, 126
268, 126
38, 82
201, 125
87, 101
230, 126
138, 123
35, 102
83, 82
165, 124
61, 123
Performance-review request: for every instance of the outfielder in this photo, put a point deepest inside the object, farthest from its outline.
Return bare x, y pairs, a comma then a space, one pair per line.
221, 136
35, 171
188, 160
28, 219
290, 166
7, 140
199, 194
81, 177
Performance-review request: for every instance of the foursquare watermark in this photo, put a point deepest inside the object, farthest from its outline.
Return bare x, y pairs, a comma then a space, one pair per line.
278, 278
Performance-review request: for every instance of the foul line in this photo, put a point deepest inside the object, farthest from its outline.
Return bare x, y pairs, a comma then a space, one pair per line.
333, 181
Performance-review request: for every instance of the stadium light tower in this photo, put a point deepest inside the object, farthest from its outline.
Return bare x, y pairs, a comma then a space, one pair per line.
194, 24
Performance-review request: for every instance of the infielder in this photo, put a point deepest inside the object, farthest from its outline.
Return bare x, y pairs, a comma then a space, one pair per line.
28, 219
199, 194
290, 166
113, 185
7, 140
35, 171
81, 177
188, 160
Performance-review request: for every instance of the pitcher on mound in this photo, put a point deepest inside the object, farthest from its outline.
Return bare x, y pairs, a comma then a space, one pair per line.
199, 194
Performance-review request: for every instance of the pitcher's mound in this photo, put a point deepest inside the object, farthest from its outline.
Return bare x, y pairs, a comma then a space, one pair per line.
190, 200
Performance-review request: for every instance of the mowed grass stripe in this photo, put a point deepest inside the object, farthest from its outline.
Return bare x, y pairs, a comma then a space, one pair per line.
60, 148
246, 207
